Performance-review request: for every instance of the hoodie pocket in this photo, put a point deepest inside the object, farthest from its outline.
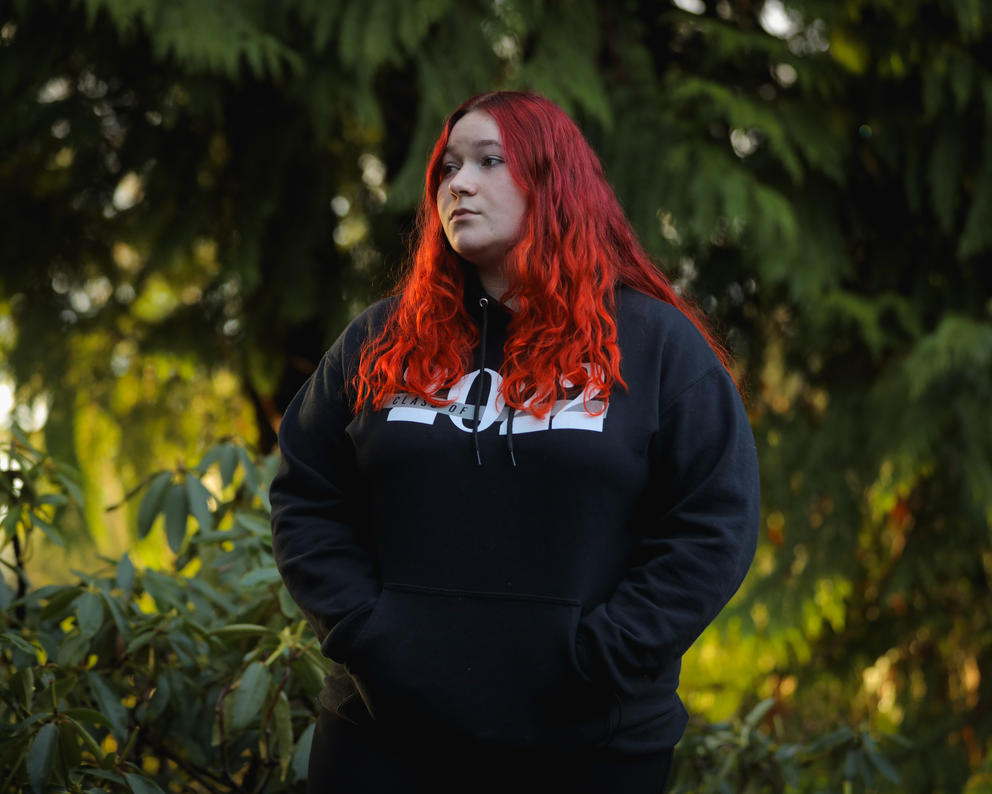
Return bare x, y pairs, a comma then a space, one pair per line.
490, 667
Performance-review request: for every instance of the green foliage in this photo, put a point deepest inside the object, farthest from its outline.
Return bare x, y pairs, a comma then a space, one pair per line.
738, 757
205, 679
201, 678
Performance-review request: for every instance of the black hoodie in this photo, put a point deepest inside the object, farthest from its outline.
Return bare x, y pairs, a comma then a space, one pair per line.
536, 582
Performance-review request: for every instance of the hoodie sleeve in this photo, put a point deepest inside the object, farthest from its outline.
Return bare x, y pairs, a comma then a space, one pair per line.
699, 536
322, 547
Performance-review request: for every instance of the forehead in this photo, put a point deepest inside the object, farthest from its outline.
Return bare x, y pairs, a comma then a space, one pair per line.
474, 130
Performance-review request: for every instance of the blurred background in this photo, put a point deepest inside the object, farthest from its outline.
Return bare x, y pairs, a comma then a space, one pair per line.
197, 195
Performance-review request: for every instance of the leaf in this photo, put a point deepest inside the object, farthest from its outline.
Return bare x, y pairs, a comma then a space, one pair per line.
109, 704
830, 740
10, 521
141, 785
175, 508
198, 497
50, 532
151, 503
879, 761
7, 595
252, 479
240, 630
89, 613
262, 576
91, 744
71, 486
758, 712
72, 650
18, 642
228, 463
25, 678
57, 600
123, 628
125, 574
92, 716
284, 733
250, 695
255, 524
160, 699
69, 735
141, 639
41, 757
301, 758
63, 686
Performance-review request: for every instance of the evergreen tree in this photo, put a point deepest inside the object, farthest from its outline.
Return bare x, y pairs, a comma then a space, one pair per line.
196, 196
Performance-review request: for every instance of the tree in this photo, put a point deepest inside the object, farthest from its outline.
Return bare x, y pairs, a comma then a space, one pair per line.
210, 188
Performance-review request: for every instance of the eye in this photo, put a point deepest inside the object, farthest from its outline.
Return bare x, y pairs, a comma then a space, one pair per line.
490, 161
447, 169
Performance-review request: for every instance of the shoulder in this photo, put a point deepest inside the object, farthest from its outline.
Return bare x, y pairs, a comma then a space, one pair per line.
643, 320
660, 344
365, 326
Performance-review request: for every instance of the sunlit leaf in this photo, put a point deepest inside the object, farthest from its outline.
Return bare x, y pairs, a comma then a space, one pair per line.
175, 508
197, 497
241, 630
758, 712
11, 520
151, 503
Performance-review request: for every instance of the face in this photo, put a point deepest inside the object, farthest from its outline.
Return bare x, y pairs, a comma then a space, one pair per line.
480, 206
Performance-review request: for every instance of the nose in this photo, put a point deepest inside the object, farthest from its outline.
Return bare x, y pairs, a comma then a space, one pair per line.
461, 183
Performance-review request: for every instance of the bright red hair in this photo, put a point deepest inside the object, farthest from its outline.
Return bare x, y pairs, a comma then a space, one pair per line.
575, 246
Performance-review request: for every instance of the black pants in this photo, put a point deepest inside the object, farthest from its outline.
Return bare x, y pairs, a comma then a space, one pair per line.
353, 759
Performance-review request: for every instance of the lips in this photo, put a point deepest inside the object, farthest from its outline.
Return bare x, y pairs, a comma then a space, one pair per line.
461, 213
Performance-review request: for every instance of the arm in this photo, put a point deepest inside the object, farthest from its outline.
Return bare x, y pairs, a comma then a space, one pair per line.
325, 554
697, 543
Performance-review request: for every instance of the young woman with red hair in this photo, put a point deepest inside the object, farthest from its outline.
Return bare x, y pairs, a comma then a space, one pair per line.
515, 492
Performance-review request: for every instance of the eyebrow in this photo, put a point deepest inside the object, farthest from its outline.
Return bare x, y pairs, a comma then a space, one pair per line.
479, 144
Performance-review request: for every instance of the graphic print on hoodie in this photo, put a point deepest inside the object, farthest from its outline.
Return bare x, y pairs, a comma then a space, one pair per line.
578, 410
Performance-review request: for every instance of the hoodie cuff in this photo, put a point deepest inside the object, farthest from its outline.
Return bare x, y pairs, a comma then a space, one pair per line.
340, 641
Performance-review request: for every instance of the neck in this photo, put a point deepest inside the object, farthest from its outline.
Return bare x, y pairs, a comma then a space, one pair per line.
493, 281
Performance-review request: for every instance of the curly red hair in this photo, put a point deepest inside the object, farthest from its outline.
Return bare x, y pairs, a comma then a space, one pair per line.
575, 246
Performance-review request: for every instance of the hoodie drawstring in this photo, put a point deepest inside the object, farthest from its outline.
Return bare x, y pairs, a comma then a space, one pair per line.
484, 303
509, 435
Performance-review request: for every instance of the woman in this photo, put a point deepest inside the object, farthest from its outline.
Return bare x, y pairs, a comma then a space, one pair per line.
513, 494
